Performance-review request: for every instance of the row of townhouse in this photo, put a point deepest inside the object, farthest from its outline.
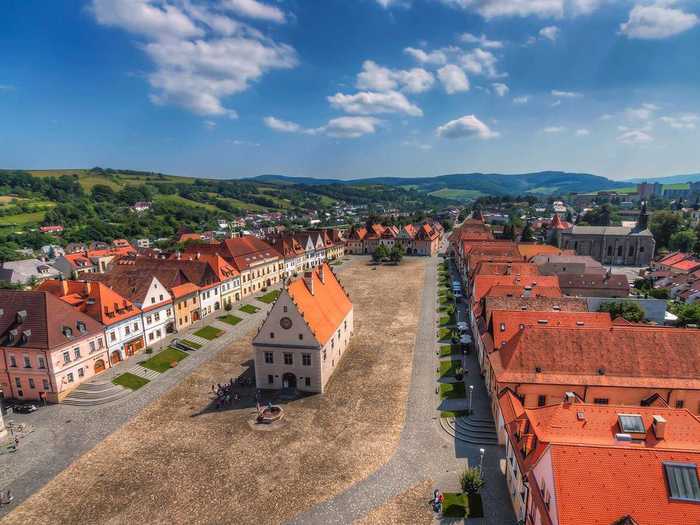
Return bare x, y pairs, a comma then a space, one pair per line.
421, 239
307, 249
78, 264
539, 349
679, 274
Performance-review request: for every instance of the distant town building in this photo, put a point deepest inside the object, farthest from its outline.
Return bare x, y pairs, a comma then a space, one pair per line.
305, 334
51, 229
594, 284
648, 190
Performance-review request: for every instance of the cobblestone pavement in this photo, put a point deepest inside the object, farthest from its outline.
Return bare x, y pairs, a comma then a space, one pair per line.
425, 451
62, 433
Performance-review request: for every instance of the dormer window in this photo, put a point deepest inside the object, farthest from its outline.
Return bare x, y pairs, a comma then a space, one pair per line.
81, 327
67, 331
21, 316
631, 423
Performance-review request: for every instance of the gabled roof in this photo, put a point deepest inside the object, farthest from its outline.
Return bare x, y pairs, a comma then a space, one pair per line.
528, 250
46, 318
288, 246
594, 281
505, 268
358, 234
325, 308
243, 252
94, 299
484, 283
533, 304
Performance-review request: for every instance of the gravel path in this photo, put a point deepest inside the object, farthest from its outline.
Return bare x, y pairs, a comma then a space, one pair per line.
425, 451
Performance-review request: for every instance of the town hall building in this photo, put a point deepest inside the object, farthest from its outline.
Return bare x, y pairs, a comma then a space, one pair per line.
305, 334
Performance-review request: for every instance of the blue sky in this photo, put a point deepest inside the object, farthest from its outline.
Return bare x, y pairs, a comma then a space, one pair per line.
352, 88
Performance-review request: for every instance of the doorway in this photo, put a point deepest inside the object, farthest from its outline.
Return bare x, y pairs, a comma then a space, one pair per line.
289, 380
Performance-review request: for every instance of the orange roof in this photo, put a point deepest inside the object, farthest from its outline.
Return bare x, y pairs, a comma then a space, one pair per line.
325, 308
94, 299
621, 355
483, 283
506, 323
522, 292
687, 265
506, 268
181, 290
673, 258
190, 237
531, 250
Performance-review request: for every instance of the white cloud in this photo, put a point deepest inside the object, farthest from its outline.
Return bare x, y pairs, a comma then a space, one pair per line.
377, 78
350, 127
209, 124
283, 126
480, 62
469, 38
686, 121
369, 102
566, 94
556, 103
554, 129
238, 142
453, 79
342, 127
500, 89
635, 136
524, 99
434, 58
254, 9
644, 112
657, 21
524, 8
550, 33
605, 116
201, 56
467, 126
389, 3
582, 132
418, 145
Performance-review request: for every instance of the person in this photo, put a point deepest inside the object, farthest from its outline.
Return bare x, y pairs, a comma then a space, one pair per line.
437, 501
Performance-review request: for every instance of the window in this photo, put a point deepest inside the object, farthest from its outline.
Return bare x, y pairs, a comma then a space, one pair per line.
136, 327
76, 352
680, 403
284, 309
153, 300
167, 312
307, 381
541, 401
631, 423
609, 251
269, 358
13, 361
619, 251
502, 327
46, 384
150, 336
324, 355
630, 253
683, 481
92, 346
18, 383
27, 362
160, 297
600, 400
31, 383
306, 359
301, 337
272, 335
641, 249
149, 319
158, 332
99, 343
81, 372
288, 359
66, 357
156, 316
270, 379
69, 377
42, 362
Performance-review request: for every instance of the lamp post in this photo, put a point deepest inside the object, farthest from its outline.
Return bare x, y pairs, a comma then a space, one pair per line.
481, 460
471, 389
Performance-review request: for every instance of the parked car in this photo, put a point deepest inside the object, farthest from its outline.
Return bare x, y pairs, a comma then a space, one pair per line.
462, 326
23, 409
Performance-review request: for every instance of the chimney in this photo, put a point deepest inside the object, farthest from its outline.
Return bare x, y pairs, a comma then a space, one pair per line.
309, 280
322, 274
64, 286
659, 426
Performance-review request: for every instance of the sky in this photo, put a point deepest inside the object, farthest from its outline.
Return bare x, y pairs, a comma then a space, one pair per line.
352, 88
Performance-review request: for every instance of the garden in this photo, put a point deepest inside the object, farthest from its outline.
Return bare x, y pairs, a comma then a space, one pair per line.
209, 332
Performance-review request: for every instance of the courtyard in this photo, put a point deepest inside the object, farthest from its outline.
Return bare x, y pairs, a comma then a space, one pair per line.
180, 460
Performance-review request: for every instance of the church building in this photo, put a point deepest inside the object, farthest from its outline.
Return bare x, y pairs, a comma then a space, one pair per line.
305, 334
611, 245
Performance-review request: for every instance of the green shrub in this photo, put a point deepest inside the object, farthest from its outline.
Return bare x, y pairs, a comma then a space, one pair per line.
471, 481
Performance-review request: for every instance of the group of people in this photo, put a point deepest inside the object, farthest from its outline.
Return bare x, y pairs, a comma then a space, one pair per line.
225, 394
437, 500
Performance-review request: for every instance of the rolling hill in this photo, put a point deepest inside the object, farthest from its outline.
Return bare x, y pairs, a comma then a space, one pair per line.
673, 179
464, 186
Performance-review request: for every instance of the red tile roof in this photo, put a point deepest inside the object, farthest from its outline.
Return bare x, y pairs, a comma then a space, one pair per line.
484, 283
506, 268
325, 308
94, 299
243, 252
46, 318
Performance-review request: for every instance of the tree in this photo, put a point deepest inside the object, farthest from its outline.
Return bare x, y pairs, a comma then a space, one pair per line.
683, 241
471, 481
663, 225
688, 314
659, 293
397, 253
527, 235
103, 193
380, 253
628, 310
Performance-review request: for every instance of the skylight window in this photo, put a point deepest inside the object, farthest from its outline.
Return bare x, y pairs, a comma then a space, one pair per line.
631, 423
683, 481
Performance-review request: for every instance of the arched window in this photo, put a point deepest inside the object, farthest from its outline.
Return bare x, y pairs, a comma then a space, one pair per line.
630, 252
609, 251
619, 251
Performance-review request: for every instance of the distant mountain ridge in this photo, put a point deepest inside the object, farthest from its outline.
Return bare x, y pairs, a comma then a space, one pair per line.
543, 182
672, 179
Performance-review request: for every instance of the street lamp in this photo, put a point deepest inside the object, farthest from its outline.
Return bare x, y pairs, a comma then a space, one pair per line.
481, 460
471, 389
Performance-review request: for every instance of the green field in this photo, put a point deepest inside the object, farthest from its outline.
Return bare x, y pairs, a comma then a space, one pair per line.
131, 381
22, 219
177, 199
116, 181
162, 361
464, 195
209, 332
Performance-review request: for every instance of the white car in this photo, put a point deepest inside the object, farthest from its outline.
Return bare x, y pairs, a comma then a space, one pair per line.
465, 340
462, 326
